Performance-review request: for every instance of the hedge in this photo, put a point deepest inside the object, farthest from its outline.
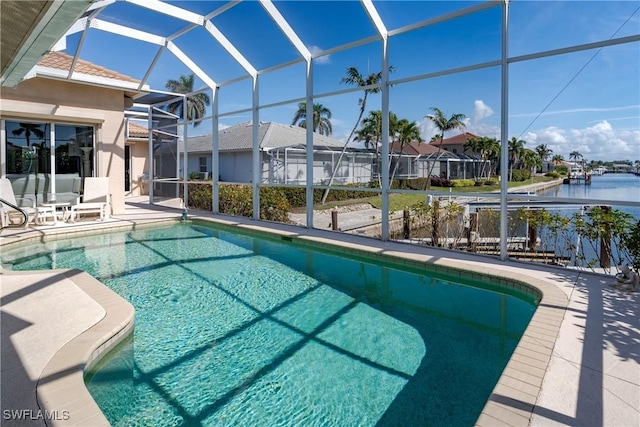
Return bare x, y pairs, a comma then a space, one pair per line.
238, 200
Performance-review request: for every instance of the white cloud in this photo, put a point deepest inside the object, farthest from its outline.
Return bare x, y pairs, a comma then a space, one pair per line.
427, 129
578, 110
480, 111
473, 124
602, 141
599, 142
326, 59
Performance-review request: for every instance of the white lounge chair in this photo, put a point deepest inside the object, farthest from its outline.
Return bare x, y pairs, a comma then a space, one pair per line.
95, 199
8, 213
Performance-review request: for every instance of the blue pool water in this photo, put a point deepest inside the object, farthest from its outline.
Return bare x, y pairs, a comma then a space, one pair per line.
233, 330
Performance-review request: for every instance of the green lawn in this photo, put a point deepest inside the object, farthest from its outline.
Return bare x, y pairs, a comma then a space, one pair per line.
398, 202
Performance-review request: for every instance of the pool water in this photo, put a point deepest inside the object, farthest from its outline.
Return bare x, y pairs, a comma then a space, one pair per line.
235, 330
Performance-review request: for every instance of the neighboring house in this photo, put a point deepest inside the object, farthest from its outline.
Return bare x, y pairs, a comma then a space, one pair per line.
455, 144
447, 160
282, 156
55, 127
621, 167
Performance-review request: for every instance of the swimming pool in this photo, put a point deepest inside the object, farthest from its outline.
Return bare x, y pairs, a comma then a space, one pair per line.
236, 330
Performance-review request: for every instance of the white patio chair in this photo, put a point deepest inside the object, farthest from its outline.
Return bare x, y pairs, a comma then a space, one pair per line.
8, 213
95, 199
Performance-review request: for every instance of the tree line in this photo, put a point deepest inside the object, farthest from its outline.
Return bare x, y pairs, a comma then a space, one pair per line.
402, 131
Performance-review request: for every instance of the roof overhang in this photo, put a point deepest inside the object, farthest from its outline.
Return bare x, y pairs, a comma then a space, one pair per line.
29, 30
129, 88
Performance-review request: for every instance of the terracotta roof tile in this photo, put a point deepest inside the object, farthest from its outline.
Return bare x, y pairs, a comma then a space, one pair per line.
414, 148
455, 140
62, 61
138, 131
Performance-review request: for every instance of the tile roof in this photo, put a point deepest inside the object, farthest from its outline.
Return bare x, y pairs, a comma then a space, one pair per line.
63, 61
414, 149
270, 136
455, 140
138, 131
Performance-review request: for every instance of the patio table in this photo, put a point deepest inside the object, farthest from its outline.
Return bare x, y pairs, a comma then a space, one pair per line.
52, 210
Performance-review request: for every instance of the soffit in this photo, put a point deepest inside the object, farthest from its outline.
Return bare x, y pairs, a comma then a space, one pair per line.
29, 29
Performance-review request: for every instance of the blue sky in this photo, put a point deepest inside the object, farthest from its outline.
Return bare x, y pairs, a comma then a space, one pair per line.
587, 101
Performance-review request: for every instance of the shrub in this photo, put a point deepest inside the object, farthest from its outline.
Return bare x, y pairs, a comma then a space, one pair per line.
194, 175
440, 182
520, 175
274, 205
238, 200
491, 181
562, 170
552, 174
200, 197
463, 183
632, 243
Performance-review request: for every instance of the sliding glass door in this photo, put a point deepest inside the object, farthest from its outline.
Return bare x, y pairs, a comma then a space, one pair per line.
50, 154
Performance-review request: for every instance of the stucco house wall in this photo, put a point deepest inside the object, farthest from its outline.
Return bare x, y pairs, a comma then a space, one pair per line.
139, 166
71, 103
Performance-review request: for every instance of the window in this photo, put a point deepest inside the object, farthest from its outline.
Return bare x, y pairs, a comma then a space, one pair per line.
29, 148
74, 150
203, 164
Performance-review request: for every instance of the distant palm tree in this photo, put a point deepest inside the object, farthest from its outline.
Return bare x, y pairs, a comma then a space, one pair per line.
487, 148
196, 104
575, 155
355, 78
544, 152
515, 150
406, 132
321, 118
371, 130
444, 124
557, 159
530, 160
371, 133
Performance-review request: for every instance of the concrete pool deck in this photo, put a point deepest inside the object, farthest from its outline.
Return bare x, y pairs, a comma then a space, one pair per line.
577, 364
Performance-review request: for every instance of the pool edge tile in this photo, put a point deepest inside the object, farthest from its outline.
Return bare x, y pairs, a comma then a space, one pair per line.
76, 356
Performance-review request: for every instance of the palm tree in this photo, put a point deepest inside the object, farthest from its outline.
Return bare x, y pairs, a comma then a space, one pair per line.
530, 160
557, 159
371, 130
354, 78
371, 133
515, 150
444, 124
321, 118
575, 155
406, 133
487, 148
544, 152
196, 104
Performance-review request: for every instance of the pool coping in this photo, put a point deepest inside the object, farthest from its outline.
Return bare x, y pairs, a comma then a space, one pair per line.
512, 401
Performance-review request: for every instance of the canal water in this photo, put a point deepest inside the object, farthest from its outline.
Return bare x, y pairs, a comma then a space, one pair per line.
610, 187
618, 186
